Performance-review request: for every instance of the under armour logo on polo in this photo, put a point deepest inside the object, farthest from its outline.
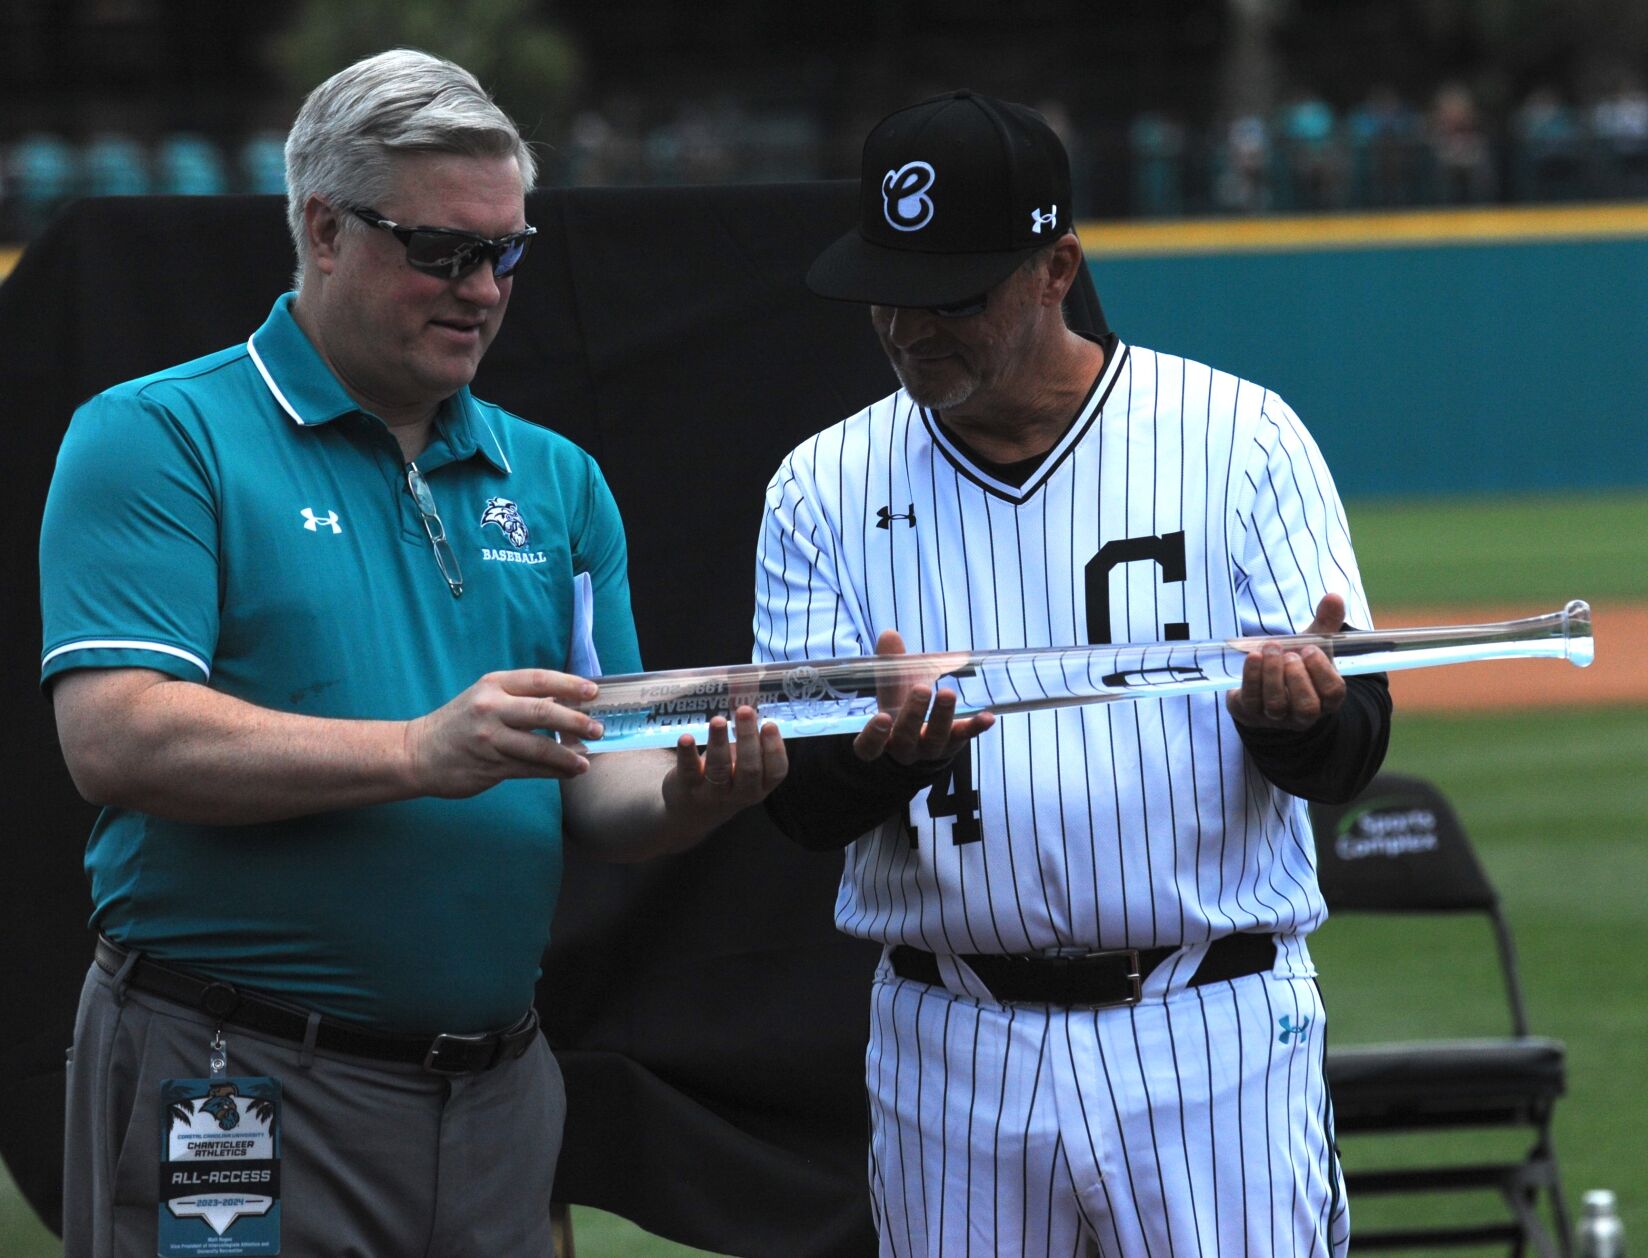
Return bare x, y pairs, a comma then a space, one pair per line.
904, 199
885, 517
1038, 219
1289, 1030
313, 522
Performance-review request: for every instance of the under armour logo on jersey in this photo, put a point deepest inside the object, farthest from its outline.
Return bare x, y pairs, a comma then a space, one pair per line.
313, 522
1289, 1030
904, 199
886, 515
1038, 219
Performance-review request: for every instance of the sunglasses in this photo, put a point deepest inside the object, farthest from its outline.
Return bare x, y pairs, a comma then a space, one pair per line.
961, 309
450, 253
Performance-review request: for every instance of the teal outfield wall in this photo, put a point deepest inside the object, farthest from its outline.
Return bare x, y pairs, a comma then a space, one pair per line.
1422, 369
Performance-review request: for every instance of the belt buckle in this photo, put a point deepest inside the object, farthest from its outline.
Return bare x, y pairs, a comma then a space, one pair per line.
1134, 981
431, 1059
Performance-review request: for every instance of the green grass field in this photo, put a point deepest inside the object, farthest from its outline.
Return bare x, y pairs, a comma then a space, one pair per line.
1535, 550
1557, 804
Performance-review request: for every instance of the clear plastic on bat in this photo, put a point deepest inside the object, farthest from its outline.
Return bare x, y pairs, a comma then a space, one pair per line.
837, 696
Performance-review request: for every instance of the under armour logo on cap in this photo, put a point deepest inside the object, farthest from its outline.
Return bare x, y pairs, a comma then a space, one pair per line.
1039, 220
904, 199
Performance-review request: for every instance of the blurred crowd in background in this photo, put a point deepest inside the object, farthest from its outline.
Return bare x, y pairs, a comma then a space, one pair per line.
1169, 107
1384, 152
1387, 152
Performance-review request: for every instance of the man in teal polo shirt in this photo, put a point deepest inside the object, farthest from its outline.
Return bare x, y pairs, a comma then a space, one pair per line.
313, 614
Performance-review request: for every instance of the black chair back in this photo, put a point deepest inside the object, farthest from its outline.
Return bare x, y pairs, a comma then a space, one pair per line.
1398, 848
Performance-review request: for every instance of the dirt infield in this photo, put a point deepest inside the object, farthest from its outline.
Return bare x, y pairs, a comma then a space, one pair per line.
1619, 677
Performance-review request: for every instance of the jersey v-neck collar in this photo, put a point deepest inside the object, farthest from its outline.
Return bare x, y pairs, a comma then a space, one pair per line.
983, 474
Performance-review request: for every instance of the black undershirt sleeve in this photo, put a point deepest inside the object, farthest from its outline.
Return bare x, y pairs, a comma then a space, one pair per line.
830, 796
1333, 760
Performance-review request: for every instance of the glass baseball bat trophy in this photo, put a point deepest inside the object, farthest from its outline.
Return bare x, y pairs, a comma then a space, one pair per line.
837, 696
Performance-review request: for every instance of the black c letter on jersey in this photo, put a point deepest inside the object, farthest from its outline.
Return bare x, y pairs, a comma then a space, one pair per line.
1167, 550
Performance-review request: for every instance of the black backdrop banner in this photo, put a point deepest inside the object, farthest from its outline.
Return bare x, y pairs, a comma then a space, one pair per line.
709, 1020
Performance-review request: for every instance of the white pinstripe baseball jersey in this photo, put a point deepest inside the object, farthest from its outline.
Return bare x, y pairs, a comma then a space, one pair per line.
1182, 503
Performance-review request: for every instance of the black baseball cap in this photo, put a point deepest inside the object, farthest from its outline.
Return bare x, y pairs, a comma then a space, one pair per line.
955, 192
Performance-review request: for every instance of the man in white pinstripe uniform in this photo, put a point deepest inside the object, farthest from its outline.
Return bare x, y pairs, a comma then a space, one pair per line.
1032, 486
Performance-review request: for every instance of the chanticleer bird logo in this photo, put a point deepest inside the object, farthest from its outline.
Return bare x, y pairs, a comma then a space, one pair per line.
507, 516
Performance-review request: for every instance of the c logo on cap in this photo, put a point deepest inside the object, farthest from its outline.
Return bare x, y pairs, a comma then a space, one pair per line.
904, 198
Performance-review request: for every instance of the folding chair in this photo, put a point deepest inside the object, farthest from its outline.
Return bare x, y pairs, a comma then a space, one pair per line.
1399, 848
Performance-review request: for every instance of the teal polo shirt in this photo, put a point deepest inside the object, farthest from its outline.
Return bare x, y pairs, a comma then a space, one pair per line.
239, 522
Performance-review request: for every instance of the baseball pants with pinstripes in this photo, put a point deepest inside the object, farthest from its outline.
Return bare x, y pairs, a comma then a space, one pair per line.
1194, 1124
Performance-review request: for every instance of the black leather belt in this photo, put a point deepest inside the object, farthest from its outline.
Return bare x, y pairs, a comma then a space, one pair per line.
442, 1054
1096, 980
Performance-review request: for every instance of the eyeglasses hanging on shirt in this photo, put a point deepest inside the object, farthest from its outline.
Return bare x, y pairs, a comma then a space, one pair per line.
445, 558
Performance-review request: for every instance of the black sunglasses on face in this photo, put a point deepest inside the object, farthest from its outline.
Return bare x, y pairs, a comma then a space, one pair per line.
961, 309
450, 253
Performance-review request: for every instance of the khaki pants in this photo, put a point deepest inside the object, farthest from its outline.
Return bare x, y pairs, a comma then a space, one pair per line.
378, 1158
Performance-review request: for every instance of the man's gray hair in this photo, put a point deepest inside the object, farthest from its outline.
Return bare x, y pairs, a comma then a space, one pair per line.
343, 144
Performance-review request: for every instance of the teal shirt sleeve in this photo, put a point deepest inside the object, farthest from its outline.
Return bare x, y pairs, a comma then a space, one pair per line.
599, 549
129, 545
